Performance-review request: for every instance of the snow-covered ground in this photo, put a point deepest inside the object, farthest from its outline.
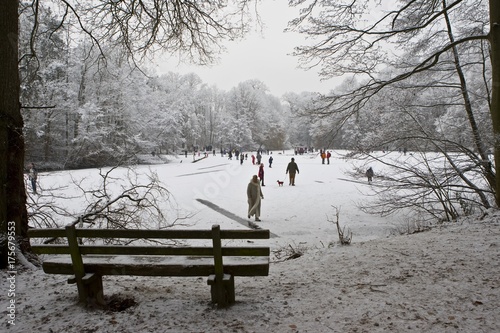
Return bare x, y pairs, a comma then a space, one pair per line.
442, 280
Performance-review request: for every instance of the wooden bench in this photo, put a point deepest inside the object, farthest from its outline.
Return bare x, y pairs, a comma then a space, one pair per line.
88, 263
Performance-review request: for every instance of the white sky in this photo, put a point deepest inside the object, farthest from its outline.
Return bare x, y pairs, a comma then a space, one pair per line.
263, 56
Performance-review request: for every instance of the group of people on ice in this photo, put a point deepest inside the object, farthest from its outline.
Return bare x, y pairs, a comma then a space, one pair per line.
325, 155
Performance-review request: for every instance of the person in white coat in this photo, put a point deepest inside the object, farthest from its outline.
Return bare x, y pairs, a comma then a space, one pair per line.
254, 195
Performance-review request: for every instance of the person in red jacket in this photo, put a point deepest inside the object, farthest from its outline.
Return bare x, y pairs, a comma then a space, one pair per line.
261, 174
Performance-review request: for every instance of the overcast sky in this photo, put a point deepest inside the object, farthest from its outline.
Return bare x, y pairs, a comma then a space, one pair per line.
263, 56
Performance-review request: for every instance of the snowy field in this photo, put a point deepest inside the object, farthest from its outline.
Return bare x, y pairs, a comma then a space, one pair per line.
442, 280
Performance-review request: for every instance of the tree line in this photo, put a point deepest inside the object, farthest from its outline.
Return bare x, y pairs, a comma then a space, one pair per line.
83, 110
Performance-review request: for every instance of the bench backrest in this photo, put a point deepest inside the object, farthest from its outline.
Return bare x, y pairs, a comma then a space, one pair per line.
74, 233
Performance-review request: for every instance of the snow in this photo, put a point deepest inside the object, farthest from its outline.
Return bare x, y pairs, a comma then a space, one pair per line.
441, 280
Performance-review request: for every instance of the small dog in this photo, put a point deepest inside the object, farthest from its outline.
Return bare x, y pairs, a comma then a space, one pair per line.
280, 183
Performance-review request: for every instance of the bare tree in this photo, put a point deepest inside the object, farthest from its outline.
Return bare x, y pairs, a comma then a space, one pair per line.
345, 236
123, 199
426, 183
126, 202
412, 45
442, 175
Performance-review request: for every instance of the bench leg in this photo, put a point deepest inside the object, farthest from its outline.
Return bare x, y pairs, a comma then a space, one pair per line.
213, 289
225, 295
95, 293
90, 290
229, 287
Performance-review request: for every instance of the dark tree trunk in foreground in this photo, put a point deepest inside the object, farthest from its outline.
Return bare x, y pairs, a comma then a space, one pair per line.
12, 192
494, 37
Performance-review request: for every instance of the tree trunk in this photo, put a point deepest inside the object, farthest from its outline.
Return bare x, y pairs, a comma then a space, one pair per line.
495, 94
487, 168
12, 192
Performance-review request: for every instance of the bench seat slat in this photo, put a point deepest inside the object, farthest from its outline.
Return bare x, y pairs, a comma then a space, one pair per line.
159, 266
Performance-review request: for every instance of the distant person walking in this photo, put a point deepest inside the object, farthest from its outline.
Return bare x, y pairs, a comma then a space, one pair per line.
291, 170
369, 174
270, 161
242, 157
33, 176
328, 155
261, 173
255, 196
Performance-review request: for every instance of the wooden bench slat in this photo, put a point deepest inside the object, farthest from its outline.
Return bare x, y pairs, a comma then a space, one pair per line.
158, 266
245, 251
146, 251
151, 250
50, 249
150, 234
245, 234
46, 233
180, 251
144, 233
